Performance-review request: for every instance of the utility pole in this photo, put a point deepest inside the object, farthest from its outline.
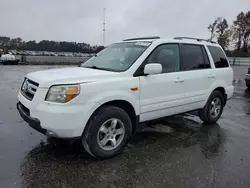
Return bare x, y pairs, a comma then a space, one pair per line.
104, 29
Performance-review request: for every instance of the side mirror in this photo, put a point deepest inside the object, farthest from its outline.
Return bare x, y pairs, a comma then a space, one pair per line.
152, 68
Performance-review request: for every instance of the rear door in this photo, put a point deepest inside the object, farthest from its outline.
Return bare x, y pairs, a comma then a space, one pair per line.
197, 75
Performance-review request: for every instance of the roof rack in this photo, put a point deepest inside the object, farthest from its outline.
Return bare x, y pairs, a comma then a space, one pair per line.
206, 40
142, 38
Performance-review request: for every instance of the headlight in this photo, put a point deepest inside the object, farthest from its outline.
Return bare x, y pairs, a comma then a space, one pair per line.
62, 93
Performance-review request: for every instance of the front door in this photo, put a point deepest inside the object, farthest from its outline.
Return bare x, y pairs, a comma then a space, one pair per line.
162, 94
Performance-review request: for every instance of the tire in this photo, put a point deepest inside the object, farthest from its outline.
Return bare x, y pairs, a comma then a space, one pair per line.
206, 114
94, 136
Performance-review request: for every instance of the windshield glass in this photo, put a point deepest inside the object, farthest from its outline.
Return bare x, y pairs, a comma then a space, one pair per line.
117, 57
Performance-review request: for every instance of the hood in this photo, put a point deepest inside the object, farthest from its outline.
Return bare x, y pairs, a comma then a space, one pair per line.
74, 75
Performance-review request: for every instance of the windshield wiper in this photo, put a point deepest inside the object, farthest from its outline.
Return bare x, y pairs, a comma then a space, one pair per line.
98, 68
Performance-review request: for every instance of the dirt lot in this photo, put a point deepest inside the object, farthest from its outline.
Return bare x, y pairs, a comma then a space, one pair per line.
177, 152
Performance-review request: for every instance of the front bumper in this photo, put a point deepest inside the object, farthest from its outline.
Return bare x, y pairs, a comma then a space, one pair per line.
33, 122
55, 120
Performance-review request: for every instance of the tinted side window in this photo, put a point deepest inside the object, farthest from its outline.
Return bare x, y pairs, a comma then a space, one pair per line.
168, 55
192, 57
219, 57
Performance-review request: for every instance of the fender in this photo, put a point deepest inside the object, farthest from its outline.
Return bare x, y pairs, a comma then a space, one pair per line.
216, 84
109, 96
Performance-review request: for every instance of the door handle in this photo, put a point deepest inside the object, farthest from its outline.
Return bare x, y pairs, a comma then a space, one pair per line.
178, 80
211, 76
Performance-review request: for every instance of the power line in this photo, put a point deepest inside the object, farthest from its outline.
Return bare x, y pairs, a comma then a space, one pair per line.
104, 24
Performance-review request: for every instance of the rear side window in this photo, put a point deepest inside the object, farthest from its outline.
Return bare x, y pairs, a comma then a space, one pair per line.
218, 56
194, 57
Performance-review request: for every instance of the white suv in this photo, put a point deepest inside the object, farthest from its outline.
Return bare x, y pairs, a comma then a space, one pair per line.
129, 82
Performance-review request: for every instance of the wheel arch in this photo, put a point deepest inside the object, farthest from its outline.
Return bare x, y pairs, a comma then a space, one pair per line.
126, 106
223, 92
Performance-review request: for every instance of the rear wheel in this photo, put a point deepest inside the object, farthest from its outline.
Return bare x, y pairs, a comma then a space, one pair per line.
107, 132
213, 108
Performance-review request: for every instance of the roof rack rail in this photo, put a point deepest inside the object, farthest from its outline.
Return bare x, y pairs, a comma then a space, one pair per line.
206, 40
142, 38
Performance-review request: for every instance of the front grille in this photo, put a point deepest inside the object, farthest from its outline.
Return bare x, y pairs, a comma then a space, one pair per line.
29, 88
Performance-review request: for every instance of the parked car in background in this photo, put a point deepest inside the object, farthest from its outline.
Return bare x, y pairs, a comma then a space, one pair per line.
13, 52
46, 53
39, 53
19, 52
8, 59
247, 78
70, 55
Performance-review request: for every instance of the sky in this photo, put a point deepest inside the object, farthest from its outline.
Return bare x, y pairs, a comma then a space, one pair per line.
82, 20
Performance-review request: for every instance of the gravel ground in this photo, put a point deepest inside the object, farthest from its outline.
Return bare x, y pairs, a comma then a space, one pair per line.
176, 152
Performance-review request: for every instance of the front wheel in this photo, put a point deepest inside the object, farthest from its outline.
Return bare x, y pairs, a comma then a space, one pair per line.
213, 109
107, 132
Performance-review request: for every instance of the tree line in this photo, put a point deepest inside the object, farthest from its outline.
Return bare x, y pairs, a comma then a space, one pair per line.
7, 43
234, 38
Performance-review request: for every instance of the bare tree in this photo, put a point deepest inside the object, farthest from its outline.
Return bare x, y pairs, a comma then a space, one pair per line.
223, 33
219, 29
239, 26
246, 35
238, 33
213, 27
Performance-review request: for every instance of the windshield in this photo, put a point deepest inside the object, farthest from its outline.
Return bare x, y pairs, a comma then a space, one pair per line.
117, 57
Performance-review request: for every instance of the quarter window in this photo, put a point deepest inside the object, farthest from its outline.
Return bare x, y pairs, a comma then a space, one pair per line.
220, 60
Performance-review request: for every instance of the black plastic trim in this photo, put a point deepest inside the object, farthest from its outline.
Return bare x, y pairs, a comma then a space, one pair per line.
198, 39
142, 38
33, 122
